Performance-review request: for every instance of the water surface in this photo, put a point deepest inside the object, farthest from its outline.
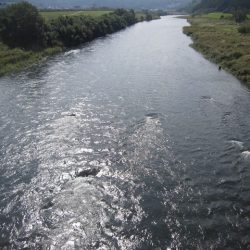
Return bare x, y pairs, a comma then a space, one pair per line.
133, 141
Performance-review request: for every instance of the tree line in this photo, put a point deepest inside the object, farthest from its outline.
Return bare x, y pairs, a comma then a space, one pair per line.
22, 26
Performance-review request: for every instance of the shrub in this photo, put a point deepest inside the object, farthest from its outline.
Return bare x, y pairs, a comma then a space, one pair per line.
22, 26
244, 29
239, 16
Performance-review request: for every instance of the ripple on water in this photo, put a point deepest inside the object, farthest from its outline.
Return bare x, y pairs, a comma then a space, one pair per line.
130, 154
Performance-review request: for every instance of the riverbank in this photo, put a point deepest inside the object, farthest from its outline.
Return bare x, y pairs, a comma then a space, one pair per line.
168, 133
221, 42
65, 30
14, 60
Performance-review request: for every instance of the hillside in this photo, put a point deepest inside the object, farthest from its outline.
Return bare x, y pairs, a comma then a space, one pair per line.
222, 5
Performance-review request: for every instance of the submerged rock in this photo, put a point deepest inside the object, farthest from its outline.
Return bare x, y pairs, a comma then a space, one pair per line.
87, 172
47, 204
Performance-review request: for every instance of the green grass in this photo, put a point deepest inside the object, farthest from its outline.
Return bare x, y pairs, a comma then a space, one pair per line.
140, 15
219, 15
220, 41
13, 60
48, 15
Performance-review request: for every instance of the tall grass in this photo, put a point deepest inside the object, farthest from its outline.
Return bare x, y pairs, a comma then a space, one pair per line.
12, 60
244, 28
219, 15
220, 41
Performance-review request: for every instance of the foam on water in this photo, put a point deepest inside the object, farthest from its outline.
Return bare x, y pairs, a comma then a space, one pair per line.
72, 52
239, 144
246, 154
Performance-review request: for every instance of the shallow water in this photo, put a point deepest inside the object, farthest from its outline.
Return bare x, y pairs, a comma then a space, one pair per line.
133, 141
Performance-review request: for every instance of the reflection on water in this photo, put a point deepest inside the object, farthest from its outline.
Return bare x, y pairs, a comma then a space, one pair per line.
134, 141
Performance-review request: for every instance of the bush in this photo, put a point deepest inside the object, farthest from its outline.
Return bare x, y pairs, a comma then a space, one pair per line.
74, 30
22, 26
244, 29
239, 16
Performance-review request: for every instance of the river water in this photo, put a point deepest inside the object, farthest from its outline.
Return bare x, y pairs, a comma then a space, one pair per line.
133, 141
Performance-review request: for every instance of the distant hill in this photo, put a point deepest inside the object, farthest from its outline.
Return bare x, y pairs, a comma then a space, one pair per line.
221, 5
138, 4
6, 2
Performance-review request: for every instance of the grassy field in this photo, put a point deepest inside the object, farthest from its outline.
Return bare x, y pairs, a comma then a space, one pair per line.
220, 41
220, 15
48, 15
12, 60
140, 15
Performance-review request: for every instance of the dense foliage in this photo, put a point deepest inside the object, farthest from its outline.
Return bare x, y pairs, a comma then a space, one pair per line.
239, 16
22, 26
73, 30
244, 28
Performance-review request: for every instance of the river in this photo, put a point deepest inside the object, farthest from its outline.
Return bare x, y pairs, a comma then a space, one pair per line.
133, 141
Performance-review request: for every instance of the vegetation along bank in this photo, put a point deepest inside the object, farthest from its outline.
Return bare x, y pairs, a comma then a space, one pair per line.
224, 39
27, 35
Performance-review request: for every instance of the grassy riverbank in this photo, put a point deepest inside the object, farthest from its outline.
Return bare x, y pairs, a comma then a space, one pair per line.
56, 31
23, 43
13, 60
220, 41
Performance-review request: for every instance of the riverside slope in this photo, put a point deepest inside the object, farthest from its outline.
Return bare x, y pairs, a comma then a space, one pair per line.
220, 41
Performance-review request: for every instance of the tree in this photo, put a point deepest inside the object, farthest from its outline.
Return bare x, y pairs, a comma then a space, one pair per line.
239, 16
149, 16
22, 26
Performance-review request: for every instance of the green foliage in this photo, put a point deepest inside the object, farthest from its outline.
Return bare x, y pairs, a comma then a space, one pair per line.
149, 16
244, 28
239, 16
12, 60
71, 31
219, 15
128, 16
22, 26
25, 37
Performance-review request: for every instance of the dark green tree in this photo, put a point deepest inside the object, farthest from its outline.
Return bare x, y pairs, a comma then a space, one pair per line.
149, 16
239, 16
22, 26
